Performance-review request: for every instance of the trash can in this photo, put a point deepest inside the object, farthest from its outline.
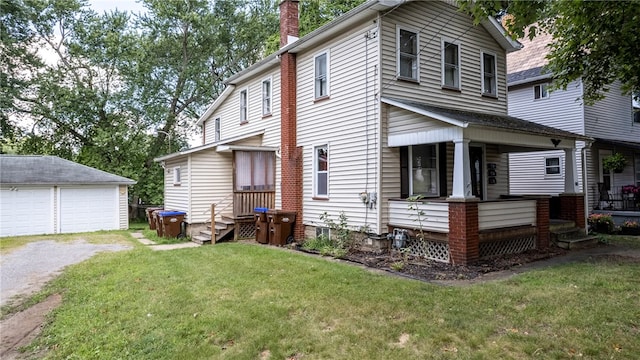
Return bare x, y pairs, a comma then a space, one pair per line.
155, 218
149, 211
171, 222
281, 226
262, 225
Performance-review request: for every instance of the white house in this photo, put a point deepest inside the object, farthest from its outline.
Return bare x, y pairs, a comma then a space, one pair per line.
392, 99
50, 195
610, 122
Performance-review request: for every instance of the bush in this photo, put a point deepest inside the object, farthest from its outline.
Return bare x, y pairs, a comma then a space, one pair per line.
601, 223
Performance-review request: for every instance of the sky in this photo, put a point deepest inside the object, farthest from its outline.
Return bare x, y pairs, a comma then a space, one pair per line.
101, 6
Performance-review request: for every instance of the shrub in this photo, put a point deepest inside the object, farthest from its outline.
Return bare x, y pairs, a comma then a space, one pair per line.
602, 223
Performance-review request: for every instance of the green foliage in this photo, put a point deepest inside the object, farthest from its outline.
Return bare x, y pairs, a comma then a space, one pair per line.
615, 162
342, 235
414, 206
602, 223
595, 41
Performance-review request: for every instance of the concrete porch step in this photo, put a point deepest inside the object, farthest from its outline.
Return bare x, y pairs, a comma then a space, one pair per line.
567, 234
572, 244
559, 225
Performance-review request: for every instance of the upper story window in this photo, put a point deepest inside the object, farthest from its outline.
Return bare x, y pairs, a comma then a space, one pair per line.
321, 171
176, 175
243, 106
540, 92
266, 97
636, 115
450, 64
489, 70
321, 71
407, 62
552, 166
217, 130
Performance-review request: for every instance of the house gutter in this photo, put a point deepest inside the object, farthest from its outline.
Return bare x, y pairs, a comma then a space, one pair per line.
530, 80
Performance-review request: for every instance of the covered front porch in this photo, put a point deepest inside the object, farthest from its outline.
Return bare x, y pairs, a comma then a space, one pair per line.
466, 211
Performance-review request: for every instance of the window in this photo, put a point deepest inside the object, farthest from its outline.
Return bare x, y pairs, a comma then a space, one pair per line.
321, 71
408, 55
266, 97
423, 170
552, 166
323, 232
321, 169
636, 115
176, 175
637, 169
217, 130
450, 65
489, 75
540, 92
254, 171
243, 106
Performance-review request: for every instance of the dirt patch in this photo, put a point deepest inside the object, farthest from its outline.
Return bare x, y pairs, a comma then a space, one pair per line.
21, 328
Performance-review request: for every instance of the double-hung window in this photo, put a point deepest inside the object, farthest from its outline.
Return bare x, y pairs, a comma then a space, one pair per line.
266, 97
423, 170
489, 69
540, 92
176, 176
450, 64
244, 98
321, 171
408, 59
321, 75
217, 130
552, 166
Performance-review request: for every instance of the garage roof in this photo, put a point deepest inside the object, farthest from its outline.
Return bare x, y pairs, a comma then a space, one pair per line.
41, 169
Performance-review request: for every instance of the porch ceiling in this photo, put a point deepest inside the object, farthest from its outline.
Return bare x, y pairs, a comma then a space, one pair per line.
618, 143
469, 119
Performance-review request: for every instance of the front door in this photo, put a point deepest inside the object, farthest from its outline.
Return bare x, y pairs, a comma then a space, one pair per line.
477, 166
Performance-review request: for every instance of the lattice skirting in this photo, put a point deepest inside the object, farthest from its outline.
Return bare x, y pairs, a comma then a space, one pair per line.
509, 246
246, 230
433, 250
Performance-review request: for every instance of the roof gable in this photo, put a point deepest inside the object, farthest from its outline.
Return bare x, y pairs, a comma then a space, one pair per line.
52, 170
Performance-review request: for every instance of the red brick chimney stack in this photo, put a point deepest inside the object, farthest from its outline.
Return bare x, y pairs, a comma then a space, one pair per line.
291, 155
288, 21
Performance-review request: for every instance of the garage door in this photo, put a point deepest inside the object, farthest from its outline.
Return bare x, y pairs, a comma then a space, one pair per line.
26, 211
88, 209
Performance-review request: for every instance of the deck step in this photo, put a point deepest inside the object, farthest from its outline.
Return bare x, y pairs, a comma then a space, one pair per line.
200, 239
205, 233
220, 226
572, 244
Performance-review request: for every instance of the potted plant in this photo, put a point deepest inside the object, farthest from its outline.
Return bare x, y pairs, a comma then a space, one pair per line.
601, 223
630, 227
615, 162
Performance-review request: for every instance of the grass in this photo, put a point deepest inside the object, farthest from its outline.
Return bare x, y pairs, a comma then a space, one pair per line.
8, 244
238, 301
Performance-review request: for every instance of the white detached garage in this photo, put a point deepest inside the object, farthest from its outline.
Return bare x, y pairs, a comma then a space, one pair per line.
48, 195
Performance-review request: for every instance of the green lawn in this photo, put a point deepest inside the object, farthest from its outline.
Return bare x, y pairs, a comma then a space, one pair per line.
239, 301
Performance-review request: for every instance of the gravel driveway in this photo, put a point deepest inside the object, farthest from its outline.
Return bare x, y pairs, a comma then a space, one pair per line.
25, 270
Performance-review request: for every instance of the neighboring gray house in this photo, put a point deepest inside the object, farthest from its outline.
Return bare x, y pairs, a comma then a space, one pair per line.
50, 195
610, 122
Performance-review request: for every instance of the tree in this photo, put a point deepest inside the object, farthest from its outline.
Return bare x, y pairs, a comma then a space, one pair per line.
595, 41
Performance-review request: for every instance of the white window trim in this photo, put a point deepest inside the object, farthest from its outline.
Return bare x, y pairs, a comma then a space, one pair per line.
442, 67
410, 163
217, 124
546, 85
328, 80
559, 174
246, 105
407, 28
176, 175
270, 80
495, 73
315, 171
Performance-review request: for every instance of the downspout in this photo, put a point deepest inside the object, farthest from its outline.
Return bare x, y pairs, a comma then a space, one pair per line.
382, 202
585, 183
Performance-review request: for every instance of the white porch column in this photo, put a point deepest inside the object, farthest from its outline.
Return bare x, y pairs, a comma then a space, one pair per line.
461, 171
570, 172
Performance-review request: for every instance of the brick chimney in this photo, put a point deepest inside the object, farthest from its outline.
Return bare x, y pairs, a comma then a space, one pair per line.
291, 155
288, 22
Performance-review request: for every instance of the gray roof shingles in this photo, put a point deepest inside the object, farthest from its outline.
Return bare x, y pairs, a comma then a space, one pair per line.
52, 170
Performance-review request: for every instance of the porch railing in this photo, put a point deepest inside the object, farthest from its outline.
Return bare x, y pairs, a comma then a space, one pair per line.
435, 216
245, 202
508, 213
623, 198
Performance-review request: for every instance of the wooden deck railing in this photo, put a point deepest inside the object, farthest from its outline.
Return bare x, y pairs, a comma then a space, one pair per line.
245, 202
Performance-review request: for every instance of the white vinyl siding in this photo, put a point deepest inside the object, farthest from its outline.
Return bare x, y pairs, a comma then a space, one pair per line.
436, 20
321, 70
211, 183
612, 118
435, 215
502, 214
501, 162
408, 62
123, 193
347, 121
176, 197
451, 64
